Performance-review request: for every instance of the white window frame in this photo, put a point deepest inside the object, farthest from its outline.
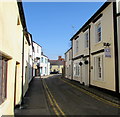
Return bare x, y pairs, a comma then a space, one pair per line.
37, 49
86, 41
77, 69
96, 33
96, 72
77, 45
42, 59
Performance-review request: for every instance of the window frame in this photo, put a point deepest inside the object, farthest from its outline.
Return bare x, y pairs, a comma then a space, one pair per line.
41, 59
86, 42
96, 70
96, 31
37, 49
3, 84
77, 69
77, 45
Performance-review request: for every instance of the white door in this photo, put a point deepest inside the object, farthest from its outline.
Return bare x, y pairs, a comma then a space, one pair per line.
86, 72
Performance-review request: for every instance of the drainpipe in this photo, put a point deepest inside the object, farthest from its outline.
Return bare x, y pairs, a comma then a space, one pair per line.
118, 32
72, 61
22, 68
89, 57
116, 47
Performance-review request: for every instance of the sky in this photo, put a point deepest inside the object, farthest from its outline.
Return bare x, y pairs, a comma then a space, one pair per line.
52, 24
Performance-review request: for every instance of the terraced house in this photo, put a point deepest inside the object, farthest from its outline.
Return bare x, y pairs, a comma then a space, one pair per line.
95, 49
15, 49
68, 64
36, 57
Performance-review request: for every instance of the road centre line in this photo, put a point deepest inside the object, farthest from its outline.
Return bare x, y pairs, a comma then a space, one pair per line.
92, 95
53, 101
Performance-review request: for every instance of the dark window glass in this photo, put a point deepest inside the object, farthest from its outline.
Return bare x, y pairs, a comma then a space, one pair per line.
3, 79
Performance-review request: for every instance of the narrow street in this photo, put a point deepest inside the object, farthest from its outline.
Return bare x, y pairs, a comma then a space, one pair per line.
57, 96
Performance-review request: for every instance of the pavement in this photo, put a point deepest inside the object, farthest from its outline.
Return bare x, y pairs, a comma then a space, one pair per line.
35, 101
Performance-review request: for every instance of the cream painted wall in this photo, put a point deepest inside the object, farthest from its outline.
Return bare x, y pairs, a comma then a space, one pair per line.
68, 64
84, 71
56, 68
11, 44
26, 66
108, 63
81, 43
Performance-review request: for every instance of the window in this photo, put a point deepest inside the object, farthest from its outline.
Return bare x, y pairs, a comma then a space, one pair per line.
3, 79
45, 70
86, 39
98, 32
18, 21
46, 60
76, 46
98, 61
41, 59
65, 57
41, 70
37, 49
77, 69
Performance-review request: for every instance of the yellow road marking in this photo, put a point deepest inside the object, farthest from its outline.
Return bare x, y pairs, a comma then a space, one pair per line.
50, 100
56, 112
53, 101
92, 95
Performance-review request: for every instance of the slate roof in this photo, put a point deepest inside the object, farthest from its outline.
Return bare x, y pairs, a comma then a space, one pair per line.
56, 62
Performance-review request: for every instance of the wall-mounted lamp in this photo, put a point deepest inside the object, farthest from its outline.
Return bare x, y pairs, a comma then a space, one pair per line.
86, 62
106, 44
80, 63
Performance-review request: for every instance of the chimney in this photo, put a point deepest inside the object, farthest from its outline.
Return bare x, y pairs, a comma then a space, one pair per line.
59, 57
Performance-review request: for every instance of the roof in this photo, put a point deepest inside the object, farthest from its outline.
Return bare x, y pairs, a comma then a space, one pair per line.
91, 19
22, 17
44, 55
37, 43
68, 50
56, 62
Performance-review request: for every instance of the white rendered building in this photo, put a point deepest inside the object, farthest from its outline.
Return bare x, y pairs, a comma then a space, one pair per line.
37, 55
44, 65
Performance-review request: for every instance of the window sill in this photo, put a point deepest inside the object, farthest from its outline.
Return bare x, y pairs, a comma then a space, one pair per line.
99, 80
2, 104
86, 48
97, 43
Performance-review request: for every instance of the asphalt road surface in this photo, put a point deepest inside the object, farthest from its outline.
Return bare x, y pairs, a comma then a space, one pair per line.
64, 98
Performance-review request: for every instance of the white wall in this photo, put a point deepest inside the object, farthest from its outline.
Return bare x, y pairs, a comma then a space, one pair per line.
44, 65
37, 53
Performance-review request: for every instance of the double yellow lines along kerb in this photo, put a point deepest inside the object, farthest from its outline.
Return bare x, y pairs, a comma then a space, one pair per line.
58, 111
92, 95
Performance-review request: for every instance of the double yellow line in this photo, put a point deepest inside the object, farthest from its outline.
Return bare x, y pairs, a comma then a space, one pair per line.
92, 95
58, 111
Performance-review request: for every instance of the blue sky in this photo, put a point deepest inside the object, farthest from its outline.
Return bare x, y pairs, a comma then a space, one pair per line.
52, 24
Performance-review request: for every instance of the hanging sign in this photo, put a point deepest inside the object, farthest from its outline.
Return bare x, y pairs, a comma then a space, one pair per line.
107, 52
